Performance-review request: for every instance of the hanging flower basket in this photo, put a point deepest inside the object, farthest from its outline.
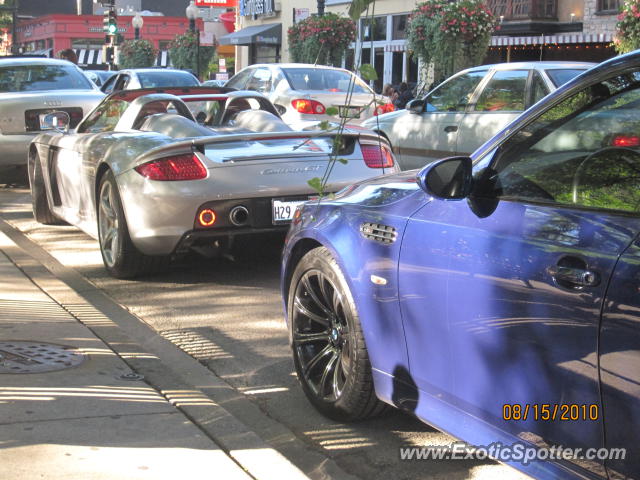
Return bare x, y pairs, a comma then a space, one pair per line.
451, 35
321, 40
627, 36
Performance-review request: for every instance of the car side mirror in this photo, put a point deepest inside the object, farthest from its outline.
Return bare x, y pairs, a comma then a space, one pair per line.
416, 105
58, 121
447, 179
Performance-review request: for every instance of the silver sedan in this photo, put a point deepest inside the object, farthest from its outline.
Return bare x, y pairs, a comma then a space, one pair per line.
149, 182
30, 88
469, 108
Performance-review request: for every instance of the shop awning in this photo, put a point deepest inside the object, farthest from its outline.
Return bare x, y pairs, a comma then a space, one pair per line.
497, 41
269, 34
89, 56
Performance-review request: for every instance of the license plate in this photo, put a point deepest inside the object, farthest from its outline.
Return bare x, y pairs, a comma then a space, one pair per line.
349, 112
283, 211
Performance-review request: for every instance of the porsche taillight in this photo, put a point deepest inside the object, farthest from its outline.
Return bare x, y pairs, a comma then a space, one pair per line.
306, 106
377, 156
175, 168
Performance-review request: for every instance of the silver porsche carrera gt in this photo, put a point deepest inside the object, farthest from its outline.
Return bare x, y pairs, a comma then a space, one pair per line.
146, 179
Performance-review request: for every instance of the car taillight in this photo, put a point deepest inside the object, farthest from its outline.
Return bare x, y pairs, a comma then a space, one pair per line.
625, 141
303, 105
377, 156
180, 167
386, 108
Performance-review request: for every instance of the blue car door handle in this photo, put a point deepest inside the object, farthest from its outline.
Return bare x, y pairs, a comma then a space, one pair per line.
451, 128
574, 277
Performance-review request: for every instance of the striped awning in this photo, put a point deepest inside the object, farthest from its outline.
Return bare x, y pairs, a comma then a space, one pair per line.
89, 56
163, 60
497, 41
402, 47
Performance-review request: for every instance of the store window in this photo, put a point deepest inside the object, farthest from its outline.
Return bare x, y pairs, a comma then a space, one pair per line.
612, 6
399, 31
88, 43
373, 30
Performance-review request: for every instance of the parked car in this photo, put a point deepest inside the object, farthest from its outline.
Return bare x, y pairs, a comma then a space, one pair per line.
469, 108
302, 93
99, 77
30, 88
148, 181
214, 83
136, 78
493, 296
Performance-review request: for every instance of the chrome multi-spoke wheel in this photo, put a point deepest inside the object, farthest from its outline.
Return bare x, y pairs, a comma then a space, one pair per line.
121, 258
108, 223
321, 335
329, 352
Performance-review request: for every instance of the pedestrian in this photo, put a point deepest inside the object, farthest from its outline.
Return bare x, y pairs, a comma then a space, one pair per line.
389, 91
404, 96
68, 54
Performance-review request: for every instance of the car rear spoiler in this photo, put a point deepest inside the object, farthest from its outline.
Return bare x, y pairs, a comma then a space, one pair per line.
198, 144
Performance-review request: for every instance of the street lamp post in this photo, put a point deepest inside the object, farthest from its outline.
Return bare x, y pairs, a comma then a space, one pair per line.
137, 23
192, 14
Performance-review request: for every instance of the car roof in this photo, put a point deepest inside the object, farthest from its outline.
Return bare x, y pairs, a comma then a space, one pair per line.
296, 65
16, 61
159, 69
542, 65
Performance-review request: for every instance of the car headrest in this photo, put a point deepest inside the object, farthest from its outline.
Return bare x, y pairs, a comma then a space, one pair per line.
260, 121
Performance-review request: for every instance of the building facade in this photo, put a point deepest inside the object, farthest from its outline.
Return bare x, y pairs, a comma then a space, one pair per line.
580, 30
49, 34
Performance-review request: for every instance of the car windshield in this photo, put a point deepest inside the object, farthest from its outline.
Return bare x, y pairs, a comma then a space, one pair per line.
324, 79
561, 76
167, 79
32, 78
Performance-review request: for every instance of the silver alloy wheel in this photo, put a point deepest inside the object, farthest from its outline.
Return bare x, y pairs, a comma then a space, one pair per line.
321, 336
108, 230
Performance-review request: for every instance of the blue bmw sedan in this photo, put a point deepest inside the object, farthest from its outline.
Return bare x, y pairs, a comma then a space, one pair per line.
497, 296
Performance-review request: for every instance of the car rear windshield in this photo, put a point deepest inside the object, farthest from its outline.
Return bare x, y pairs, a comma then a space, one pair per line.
167, 79
324, 79
33, 78
562, 76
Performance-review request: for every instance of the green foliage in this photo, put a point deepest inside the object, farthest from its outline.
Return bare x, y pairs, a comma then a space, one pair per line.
6, 14
452, 36
627, 36
183, 53
322, 40
357, 8
137, 54
367, 72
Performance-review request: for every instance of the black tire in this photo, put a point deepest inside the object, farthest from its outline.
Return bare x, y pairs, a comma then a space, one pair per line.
120, 256
39, 201
327, 341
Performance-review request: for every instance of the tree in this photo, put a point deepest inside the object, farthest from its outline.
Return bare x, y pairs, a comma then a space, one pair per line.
183, 50
137, 54
451, 35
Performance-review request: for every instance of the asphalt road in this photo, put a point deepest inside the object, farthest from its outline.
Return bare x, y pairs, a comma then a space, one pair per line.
227, 313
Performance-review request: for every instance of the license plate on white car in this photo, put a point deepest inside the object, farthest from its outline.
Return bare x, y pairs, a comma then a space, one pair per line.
349, 112
283, 211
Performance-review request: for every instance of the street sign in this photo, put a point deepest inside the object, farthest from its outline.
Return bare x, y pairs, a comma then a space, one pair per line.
217, 3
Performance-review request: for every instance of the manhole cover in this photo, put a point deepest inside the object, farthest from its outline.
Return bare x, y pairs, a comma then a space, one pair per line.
35, 357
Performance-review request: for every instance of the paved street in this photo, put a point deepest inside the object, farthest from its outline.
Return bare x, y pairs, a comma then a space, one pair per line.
227, 314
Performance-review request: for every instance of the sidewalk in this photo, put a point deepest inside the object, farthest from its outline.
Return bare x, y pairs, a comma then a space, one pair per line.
91, 418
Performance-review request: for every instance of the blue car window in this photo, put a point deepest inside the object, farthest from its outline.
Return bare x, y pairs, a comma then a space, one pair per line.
455, 94
505, 92
583, 152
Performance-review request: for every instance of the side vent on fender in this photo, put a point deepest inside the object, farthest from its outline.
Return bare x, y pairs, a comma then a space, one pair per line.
378, 232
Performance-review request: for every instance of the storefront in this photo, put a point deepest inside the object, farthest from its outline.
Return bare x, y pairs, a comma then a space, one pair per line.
49, 34
263, 42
